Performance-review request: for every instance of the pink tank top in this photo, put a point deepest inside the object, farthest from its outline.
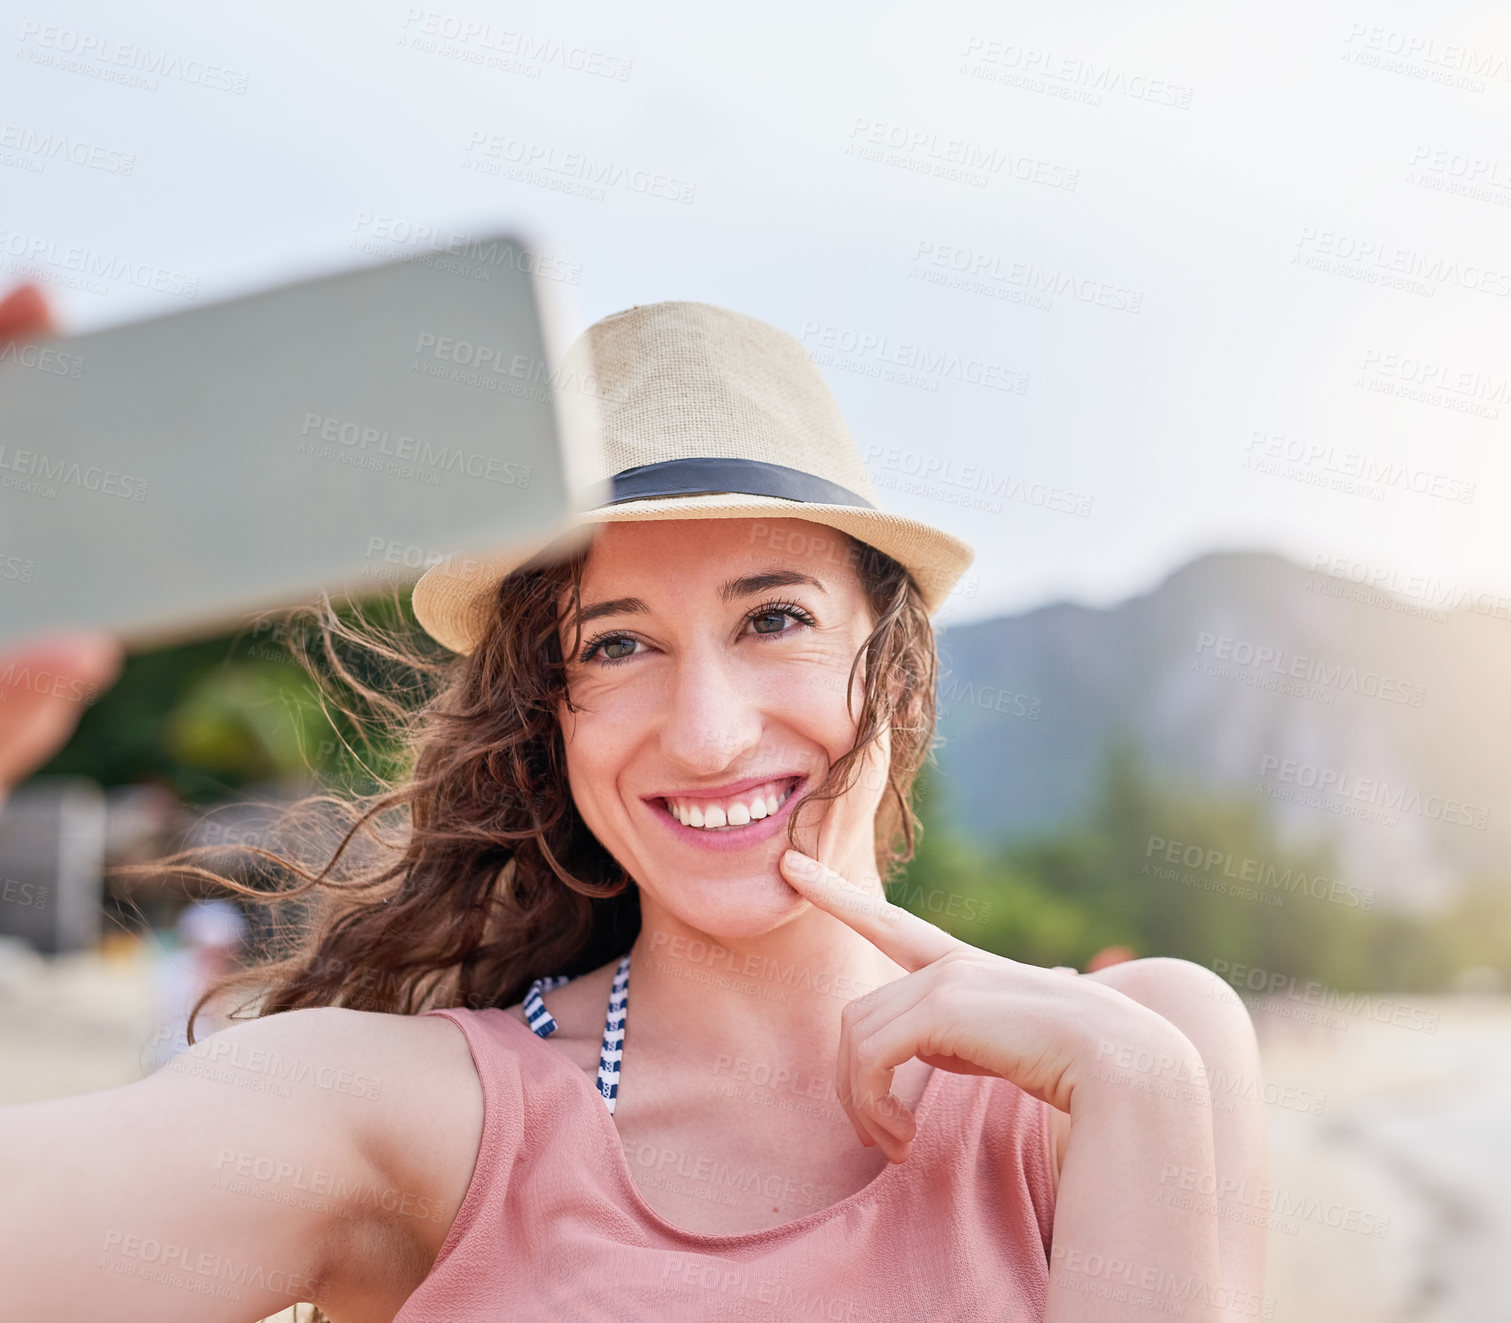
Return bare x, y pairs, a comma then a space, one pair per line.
553, 1228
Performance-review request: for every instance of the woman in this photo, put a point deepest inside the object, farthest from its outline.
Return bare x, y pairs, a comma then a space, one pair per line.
585, 1039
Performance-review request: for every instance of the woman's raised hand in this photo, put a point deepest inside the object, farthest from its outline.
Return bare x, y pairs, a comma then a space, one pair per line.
962, 1009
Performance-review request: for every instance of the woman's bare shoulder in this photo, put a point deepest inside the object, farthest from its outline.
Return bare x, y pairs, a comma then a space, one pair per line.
1198, 1003
422, 1066
368, 1056
402, 1087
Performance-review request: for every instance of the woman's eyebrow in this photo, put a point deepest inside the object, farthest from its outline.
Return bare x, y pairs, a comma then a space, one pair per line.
627, 606
750, 584
744, 586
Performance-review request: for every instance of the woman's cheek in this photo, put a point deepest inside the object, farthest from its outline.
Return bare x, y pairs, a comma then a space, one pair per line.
817, 700
603, 703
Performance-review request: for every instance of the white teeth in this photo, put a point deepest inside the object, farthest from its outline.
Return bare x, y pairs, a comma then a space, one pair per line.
737, 813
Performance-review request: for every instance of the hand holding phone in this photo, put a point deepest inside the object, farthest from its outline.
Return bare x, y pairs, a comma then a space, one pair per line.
168, 478
44, 684
43, 680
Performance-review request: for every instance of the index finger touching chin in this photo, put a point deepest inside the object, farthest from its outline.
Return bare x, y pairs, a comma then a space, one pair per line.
909, 940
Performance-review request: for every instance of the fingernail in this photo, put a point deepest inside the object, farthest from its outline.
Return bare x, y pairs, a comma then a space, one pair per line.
800, 864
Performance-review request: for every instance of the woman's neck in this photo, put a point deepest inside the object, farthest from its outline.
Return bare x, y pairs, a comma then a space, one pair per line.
702, 1002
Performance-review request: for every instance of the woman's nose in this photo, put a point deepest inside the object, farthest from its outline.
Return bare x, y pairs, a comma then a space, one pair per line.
711, 714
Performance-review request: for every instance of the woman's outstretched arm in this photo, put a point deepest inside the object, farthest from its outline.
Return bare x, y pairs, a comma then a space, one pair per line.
255, 1170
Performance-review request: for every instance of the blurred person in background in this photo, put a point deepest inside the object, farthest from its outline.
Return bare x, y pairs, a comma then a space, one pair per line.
207, 940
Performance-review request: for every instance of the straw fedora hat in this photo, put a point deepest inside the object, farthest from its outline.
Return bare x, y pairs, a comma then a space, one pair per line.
703, 413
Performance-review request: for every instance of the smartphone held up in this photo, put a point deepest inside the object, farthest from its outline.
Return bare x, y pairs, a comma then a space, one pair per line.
167, 478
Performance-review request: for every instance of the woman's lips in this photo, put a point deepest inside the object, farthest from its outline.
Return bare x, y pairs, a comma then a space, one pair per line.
730, 838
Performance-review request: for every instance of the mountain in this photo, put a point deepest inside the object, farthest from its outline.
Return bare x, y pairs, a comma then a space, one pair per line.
1375, 721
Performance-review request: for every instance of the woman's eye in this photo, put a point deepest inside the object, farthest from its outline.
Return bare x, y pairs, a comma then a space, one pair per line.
777, 617
781, 613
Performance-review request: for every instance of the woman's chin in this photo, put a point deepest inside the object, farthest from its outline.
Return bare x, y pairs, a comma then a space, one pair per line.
733, 907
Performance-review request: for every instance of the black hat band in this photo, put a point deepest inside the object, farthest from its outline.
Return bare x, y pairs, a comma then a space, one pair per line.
706, 475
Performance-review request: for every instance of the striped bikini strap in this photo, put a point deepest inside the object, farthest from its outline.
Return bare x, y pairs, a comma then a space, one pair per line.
536, 1014
544, 1024
613, 1034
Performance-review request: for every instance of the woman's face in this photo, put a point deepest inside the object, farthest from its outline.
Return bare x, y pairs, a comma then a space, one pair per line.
709, 681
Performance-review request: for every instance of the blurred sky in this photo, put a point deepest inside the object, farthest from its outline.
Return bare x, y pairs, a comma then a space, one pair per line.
1181, 164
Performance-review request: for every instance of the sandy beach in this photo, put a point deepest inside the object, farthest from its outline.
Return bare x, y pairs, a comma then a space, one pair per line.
1410, 1143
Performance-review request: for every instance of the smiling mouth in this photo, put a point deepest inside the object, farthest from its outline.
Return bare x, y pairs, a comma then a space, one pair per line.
753, 807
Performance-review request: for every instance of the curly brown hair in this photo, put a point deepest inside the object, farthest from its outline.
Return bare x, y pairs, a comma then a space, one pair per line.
468, 873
